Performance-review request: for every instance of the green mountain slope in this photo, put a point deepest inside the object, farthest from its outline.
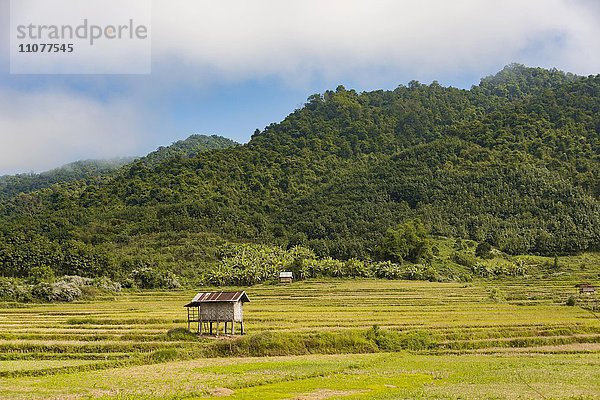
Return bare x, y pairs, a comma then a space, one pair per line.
11, 185
513, 162
88, 170
187, 148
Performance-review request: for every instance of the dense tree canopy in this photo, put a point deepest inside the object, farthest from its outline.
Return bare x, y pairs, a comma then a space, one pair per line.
513, 162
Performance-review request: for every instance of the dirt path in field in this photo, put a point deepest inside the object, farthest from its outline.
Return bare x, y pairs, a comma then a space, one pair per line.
326, 394
221, 392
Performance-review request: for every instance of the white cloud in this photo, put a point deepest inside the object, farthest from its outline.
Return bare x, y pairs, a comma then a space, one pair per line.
39, 131
240, 39
199, 41
371, 42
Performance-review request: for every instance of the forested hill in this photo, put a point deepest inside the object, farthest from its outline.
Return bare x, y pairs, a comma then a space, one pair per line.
11, 185
93, 170
513, 162
190, 147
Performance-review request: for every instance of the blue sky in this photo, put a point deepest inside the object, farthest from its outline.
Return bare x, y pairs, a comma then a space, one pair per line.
224, 72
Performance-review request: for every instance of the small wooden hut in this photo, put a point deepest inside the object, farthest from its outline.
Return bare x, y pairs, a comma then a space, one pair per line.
210, 308
586, 288
286, 277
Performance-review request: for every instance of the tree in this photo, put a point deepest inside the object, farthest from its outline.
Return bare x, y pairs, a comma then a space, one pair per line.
555, 264
406, 242
483, 250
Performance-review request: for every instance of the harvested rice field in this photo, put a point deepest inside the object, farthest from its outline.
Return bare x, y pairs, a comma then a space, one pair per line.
317, 339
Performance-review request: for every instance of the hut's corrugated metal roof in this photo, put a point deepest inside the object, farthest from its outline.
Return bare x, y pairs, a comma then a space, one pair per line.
218, 297
286, 274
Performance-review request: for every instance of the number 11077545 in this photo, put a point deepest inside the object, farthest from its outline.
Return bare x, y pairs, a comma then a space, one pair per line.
45, 48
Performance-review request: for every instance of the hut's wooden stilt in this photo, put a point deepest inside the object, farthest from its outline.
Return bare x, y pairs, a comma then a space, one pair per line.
188, 319
199, 322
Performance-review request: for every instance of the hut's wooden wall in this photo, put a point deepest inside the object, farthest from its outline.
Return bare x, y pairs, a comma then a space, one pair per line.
221, 311
238, 311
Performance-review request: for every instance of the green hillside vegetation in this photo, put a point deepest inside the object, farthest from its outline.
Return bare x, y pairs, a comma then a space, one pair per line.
188, 148
94, 171
513, 162
11, 185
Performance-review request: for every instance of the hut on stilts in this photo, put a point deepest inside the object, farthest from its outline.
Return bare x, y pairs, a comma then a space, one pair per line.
209, 309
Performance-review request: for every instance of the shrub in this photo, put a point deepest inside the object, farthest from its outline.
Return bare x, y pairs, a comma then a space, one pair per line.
128, 283
7, 289
421, 273
145, 278
483, 250
164, 355
42, 291
42, 273
106, 284
23, 293
332, 267
59, 291
77, 280
387, 270
387, 340
497, 295
572, 301
150, 278
90, 292
357, 268
65, 291
170, 281
463, 259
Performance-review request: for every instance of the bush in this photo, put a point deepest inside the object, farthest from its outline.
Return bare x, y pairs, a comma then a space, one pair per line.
396, 341
387, 270
572, 301
418, 272
357, 268
42, 291
149, 278
65, 291
10, 290
484, 250
90, 292
59, 291
77, 280
41, 273
164, 355
106, 284
7, 290
170, 281
23, 293
463, 259
497, 295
